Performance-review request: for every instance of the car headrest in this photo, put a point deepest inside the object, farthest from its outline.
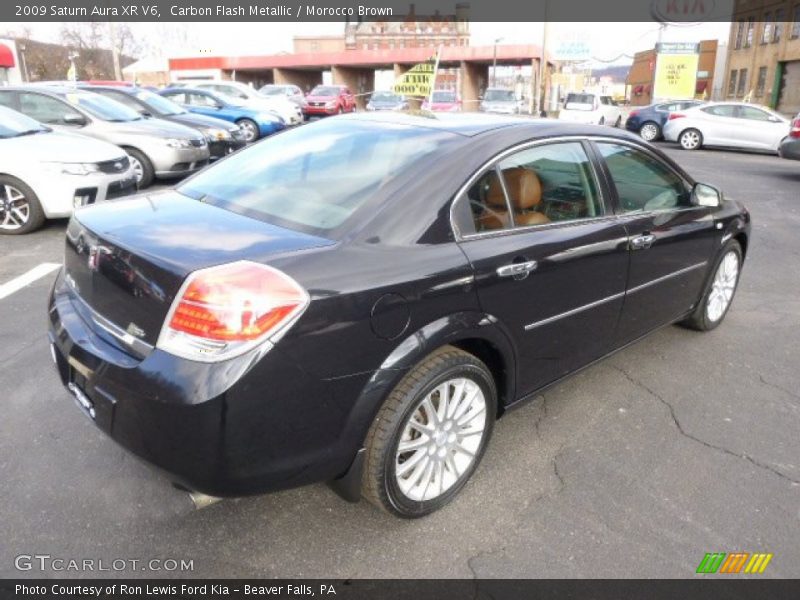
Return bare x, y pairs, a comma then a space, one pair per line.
524, 189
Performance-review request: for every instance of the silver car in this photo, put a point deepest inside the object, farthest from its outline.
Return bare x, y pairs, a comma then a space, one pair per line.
729, 125
157, 148
501, 101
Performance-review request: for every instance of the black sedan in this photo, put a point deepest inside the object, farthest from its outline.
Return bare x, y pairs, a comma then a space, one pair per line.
223, 138
358, 300
648, 121
790, 147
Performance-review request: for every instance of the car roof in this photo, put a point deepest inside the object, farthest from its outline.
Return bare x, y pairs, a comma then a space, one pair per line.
53, 90
471, 124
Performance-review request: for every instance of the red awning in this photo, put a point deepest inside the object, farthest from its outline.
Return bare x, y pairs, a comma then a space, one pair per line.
700, 87
6, 57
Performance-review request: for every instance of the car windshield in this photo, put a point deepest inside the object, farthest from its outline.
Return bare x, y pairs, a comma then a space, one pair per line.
579, 101
499, 96
14, 124
315, 177
386, 97
162, 105
322, 90
102, 107
226, 99
444, 96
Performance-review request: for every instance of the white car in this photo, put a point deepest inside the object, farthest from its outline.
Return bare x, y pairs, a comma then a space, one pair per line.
727, 124
287, 110
591, 109
47, 175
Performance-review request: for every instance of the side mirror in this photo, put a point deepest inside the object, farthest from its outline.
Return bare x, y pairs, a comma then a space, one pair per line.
74, 119
706, 195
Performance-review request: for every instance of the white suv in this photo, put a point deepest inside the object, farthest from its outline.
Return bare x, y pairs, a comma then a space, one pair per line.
591, 108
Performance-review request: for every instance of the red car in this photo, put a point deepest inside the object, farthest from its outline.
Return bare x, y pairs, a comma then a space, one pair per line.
443, 101
329, 100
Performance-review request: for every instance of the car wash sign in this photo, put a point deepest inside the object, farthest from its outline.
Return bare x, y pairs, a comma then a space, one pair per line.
676, 70
416, 82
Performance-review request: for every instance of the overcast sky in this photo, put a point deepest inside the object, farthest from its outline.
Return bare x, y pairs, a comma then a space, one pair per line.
607, 41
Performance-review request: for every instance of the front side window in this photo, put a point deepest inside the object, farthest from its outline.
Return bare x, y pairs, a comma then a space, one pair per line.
550, 183
313, 178
102, 107
643, 182
201, 100
45, 109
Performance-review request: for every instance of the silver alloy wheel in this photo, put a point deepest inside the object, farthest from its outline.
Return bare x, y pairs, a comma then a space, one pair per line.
250, 131
723, 287
15, 208
649, 132
690, 139
138, 169
441, 439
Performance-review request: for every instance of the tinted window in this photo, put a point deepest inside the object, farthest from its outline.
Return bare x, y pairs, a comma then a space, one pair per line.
178, 97
753, 114
44, 108
313, 178
541, 185
723, 110
7, 99
643, 182
162, 105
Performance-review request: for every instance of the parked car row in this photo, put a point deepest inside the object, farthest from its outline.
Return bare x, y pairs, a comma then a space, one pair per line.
65, 146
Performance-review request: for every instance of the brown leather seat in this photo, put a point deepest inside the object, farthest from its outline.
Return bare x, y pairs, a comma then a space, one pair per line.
525, 195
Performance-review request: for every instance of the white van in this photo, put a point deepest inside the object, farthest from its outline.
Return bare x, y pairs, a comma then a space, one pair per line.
591, 108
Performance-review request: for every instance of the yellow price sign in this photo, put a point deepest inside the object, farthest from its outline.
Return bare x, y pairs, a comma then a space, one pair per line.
416, 82
676, 76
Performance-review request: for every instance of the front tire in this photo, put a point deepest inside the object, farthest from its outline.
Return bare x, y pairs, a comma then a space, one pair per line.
690, 139
20, 209
142, 168
430, 434
719, 291
250, 129
650, 131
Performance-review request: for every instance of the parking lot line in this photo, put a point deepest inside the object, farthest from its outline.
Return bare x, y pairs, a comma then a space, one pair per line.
27, 278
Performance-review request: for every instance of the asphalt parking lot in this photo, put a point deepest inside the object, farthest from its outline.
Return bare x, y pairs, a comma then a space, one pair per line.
683, 444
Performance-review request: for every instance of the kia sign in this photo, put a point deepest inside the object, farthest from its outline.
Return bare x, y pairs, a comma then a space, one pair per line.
691, 11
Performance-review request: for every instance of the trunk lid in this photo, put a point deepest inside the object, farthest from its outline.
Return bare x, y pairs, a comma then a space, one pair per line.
126, 260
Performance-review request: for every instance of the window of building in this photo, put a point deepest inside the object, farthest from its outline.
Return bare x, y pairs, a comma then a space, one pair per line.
740, 90
777, 31
732, 83
761, 82
766, 30
739, 34
751, 23
796, 22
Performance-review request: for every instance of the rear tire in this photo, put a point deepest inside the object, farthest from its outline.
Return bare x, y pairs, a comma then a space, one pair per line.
719, 291
650, 131
442, 412
690, 139
20, 209
145, 173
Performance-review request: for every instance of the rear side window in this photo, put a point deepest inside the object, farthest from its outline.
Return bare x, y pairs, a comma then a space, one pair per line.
723, 110
643, 182
551, 183
314, 178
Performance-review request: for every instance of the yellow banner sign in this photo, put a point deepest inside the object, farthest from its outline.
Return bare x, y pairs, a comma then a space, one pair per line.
676, 76
415, 82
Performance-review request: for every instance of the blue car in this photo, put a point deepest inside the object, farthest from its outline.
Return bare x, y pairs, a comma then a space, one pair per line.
648, 121
255, 123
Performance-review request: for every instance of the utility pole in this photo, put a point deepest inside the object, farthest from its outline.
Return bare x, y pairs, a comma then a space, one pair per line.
112, 34
543, 65
494, 62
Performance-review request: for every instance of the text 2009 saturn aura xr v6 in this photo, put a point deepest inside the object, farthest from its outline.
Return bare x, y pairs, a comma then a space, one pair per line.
358, 300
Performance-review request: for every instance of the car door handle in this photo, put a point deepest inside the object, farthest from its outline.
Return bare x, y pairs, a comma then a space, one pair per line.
517, 269
642, 242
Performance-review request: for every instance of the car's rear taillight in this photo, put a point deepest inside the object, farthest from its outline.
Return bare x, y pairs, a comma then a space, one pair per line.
225, 311
673, 116
633, 113
795, 131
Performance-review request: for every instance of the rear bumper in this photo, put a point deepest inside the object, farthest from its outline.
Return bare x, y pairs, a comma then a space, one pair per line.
319, 110
226, 429
790, 149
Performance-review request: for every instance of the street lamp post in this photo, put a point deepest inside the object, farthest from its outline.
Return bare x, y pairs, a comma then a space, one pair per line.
494, 61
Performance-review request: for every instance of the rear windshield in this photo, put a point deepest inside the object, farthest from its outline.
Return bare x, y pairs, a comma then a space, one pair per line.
444, 96
579, 101
313, 178
499, 96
